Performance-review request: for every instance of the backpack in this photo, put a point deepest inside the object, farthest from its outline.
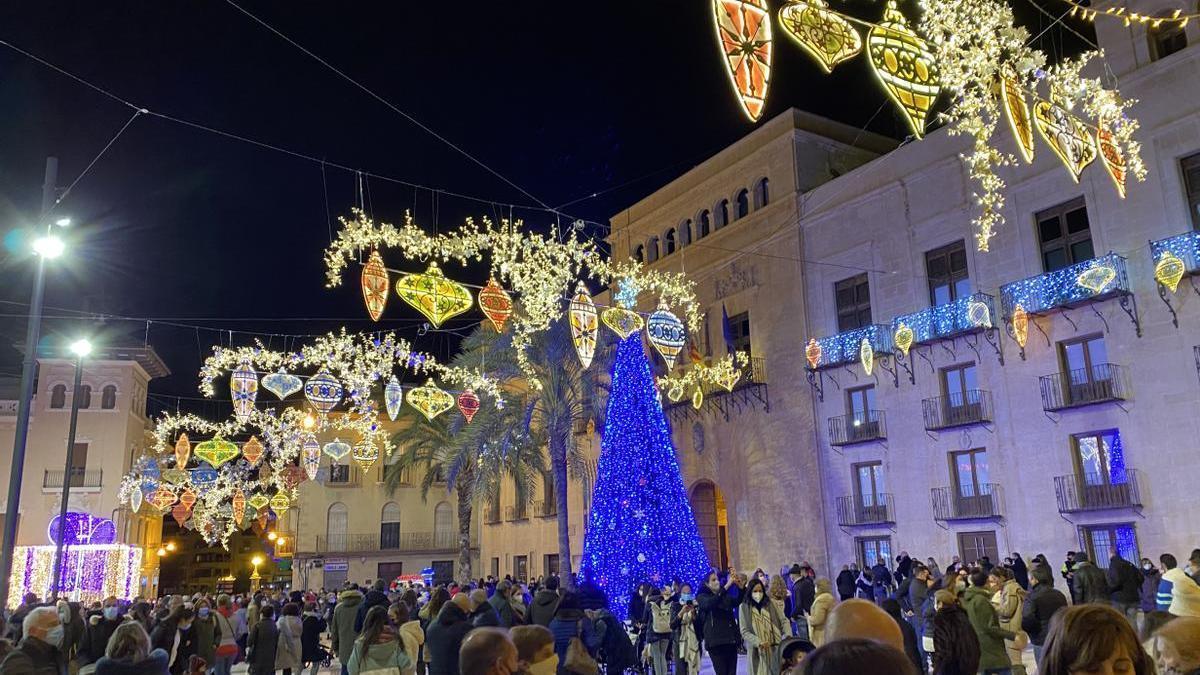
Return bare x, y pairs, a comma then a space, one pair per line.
660, 617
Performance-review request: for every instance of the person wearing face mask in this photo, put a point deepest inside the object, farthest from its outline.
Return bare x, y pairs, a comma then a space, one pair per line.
1177, 593
535, 650
658, 628
175, 636
208, 634
718, 602
1148, 595
227, 644
763, 628
100, 626
685, 625
39, 651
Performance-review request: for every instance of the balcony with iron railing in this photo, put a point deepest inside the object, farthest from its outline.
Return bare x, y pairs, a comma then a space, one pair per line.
1088, 281
375, 542
85, 479
967, 502
846, 347
519, 512
860, 427
1092, 492
1185, 247
967, 314
491, 515
1102, 383
855, 510
957, 409
545, 509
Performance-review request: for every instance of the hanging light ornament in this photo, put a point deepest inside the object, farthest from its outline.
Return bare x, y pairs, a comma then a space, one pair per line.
675, 392
337, 449
280, 504
813, 353
393, 396
183, 451
187, 497
323, 391
728, 379
1017, 109
1169, 270
430, 400
667, 334
903, 63
258, 501
282, 384
216, 451
744, 35
697, 398
252, 450
1066, 136
584, 323
1110, 154
174, 476
1020, 325
163, 498
623, 322
824, 34
180, 513
468, 404
433, 295
1096, 278
135, 499
311, 456
979, 315
204, 478
366, 453
496, 303
903, 340
239, 506
375, 285
243, 388
866, 356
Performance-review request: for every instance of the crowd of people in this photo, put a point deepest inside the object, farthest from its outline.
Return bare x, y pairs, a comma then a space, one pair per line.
903, 617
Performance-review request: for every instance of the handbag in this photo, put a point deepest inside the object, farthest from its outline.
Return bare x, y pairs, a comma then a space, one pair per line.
578, 659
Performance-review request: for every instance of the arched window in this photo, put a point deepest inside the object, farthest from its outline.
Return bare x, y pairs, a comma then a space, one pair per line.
639, 253
1166, 39
703, 224
669, 242
761, 193
85, 397
336, 522
685, 233
721, 213
108, 397
741, 204
443, 526
652, 249
389, 527
58, 396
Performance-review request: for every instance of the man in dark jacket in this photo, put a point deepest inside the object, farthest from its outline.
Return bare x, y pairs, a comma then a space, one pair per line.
881, 581
38, 652
804, 591
377, 596
262, 643
977, 601
1090, 584
445, 635
1124, 587
1041, 604
1020, 570
100, 627
545, 603
903, 566
1150, 578
846, 580
484, 614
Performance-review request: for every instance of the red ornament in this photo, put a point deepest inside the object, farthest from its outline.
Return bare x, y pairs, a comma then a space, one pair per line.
180, 513
375, 285
468, 404
496, 304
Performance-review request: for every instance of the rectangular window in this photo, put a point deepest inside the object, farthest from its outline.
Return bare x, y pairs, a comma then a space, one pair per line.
495, 568
873, 550
870, 503
551, 565
1191, 186
521, 568
853, 299
388, 571
972, 546
1100, 458
79, 464
339, 474
739, 331
946, 270
859, 402
957, 384
970, 473
1065, 235
1086, 371
1101, 541
389, 536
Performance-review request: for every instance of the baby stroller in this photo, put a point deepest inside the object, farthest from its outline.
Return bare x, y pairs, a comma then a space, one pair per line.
326, 656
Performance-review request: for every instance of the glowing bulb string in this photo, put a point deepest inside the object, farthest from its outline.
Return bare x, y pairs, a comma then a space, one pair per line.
1122, 12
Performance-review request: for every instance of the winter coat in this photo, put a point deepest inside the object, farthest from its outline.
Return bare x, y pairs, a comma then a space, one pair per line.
1010, 605
95, 638
1150, 580
1124, 582
444, 638
163, 637
762, 662
1178, 594
341, 629
412, 637
657, 603
504, 611
720, 627
1090, 584
1020, 571
917, 592
616, 648
978, 604
821, 607
803, 593
880, 576
33, 657
385, 654
310, 638
288, 654
374, 599
845, 583
261, 645
541, 611
1040, 606
154, 664
485, 616
567, 625
207, 637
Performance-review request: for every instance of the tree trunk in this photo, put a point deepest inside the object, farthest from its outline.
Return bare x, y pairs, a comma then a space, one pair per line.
558, 464
465, 508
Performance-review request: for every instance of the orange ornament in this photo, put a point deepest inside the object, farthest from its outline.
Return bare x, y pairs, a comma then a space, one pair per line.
183, 451
252, 450
496, 304
375, 285
744, 34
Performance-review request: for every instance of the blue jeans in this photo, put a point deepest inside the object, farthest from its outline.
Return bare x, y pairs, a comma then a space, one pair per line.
918, 625
222, 664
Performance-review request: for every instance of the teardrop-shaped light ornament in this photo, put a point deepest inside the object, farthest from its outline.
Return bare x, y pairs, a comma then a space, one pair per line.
979, 315
187, 497
282, 384
280, 504
180, 513
243, 388
905, 65
1019, 120
311, 456
468, 404
1110, 154
393, 397
903, 340
1066, 135
135, 499
623, 322
1169, 270
430, 400
496, 303
239, 506
667, 334
813, 353
183, 451
337, 449
1020, 325
744, 35
366, 453
823, 33
323, 391
433, 295
866, 356
697, 398
252, 450
584, 324
375, 285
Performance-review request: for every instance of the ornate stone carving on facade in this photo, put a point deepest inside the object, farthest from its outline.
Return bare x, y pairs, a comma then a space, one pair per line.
737, 278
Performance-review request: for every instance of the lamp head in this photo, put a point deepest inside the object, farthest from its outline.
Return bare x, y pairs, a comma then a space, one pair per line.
63, 222
81, 347
49, 246
256, 560
271, 536
170, 546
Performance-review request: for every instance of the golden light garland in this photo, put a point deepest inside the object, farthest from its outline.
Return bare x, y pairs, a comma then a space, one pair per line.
744, 36
1129, 16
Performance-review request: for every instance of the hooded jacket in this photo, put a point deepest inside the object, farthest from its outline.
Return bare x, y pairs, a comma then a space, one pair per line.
412, 637
1150, 580
375, 598
821, 607
378, 656
1178, 594
978, 604
444, 638
154, 664
545, 603
341, 629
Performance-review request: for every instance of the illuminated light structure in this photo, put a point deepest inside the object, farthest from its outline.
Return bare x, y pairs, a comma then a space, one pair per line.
180, 513
243, 389
641, 525
1086, 12
1176, 257
135, 499
903, 338
239, 506
280, 502
258, 501
1110, 154
744, 36
337, 449
845, 348
204, 477
1066, 136
823, 34
1020, 325
433, 295
667, 334
216, 451
323, 391
623, 322
965, 315
584, 324
866, 356
496, 303
252, 450
1017, 111
375, 285
393, 397
183, 451
365, 454
812, 353
93, 566
1096, 278
468, 404
282, 384
430, 400
903, 63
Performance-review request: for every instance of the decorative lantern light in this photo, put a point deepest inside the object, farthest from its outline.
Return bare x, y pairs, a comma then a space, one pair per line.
903, 339
1114, 161
823, 34
243, 388
280, 504
1020, 325
252, 450
979, 315
584, 323
323, 391
1096, 278
433, 295
311, 456
187, 498
258, 500
1017, 109
163, 498
183, 451
1169, 270
866, 355
180, 513
204, 477
239, 506
216, 451
813, 353
666, 333
375, 285
496, 303
623, 322
906, 67
337, 449
393, 396
366, 453
744, 35
135, 499
697, 398
468, 404
174, 476
1066, 136
430, 400
728, 379
282, 384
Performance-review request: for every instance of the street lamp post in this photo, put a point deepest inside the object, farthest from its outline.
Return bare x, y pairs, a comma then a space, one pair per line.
80, 348
255, 579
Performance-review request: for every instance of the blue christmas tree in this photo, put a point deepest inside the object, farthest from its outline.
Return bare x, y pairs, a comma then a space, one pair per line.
641, 527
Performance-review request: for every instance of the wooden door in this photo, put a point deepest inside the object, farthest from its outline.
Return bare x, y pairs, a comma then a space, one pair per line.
704, 506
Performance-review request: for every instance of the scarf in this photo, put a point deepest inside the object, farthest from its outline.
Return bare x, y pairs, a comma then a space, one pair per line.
763, 622
689, 644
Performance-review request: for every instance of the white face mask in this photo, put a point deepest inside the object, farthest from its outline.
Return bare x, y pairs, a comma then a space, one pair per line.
714, 585
757, 595
54, 636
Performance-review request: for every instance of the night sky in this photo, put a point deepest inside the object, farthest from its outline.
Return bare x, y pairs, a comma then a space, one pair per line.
565, 99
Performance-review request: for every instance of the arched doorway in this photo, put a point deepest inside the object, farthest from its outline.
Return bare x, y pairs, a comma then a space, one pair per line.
708, 504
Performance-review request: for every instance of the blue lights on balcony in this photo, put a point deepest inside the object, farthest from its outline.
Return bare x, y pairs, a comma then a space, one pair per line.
845, 347
964, 315
1185, 246
1082, 282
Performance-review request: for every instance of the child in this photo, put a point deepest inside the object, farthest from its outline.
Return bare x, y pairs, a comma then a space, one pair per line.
535, 649
791, 654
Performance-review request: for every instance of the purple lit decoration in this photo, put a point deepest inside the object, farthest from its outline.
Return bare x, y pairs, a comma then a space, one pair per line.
82, 528
91, 572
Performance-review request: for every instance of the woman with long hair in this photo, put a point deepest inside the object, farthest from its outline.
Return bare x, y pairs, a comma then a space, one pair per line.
955, 644
1092, 638
721, 635
763, 629
129, 653
777, 590
378, 646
